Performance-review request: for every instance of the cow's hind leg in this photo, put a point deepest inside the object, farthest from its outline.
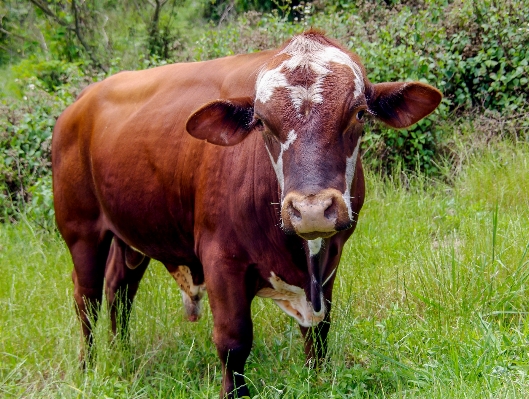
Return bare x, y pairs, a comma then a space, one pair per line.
89, 255
124, 270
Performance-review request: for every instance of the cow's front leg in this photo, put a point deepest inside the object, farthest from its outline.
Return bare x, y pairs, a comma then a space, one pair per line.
316, 340
230, 299
322, 274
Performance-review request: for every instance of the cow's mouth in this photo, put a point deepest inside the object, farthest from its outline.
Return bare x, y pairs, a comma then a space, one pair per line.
316, 234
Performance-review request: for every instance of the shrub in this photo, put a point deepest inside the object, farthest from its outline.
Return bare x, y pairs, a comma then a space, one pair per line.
26, 126
476, 53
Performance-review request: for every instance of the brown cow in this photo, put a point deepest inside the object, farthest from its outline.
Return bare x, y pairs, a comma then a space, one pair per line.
257, 198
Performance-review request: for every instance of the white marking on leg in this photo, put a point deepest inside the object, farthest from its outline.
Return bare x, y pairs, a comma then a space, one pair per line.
293, 301
314, 246
191, 294
278, 165
349, 176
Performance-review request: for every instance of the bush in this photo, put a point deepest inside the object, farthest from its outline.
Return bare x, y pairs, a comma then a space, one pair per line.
476, 53
250, 32
26, 126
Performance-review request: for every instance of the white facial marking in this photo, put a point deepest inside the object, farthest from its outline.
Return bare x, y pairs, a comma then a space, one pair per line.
300, 94
332, 54
309, 54
314, 246
267, 82
349, 176
278, 165
191, 294
293, 301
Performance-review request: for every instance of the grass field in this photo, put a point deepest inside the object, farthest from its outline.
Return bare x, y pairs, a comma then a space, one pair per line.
431, 301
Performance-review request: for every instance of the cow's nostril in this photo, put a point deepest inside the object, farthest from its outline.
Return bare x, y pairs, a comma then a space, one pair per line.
331, 210
294, 211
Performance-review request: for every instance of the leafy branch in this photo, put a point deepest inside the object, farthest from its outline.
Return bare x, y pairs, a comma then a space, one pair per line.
76, 28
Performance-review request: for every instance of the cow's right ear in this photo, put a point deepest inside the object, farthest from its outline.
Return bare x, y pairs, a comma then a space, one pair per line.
223, 122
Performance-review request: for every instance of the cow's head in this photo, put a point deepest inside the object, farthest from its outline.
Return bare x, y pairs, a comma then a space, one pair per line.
310, 103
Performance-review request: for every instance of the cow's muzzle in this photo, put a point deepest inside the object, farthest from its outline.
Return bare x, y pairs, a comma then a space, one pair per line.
315, 215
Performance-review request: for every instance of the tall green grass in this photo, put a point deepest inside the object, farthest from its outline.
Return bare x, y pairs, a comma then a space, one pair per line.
431, 300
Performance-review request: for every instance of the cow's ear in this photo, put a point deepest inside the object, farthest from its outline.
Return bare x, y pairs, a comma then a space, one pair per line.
223, 122
402, 104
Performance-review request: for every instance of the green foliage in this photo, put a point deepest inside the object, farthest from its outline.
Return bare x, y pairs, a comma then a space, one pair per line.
218, 10
489, 63
475, 52
251, 32
93, 34
14, 43
26, 126
413, 148
49, 76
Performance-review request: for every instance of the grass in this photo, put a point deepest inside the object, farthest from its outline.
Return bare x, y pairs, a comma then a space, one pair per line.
431, 301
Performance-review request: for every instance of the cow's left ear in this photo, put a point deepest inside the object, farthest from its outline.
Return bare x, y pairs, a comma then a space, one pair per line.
223, 122
401, 104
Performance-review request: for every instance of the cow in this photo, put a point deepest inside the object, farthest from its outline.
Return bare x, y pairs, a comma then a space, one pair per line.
242, 175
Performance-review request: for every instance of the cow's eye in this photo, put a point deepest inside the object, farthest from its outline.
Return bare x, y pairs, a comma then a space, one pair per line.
257, 123
360, 115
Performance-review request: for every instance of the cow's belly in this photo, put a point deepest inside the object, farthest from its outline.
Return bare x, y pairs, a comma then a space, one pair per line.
153, 232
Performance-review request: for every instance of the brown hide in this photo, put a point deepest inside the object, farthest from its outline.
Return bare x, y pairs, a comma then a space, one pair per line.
124, 168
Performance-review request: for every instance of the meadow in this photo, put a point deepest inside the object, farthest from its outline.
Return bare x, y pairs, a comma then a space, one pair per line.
430, 301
